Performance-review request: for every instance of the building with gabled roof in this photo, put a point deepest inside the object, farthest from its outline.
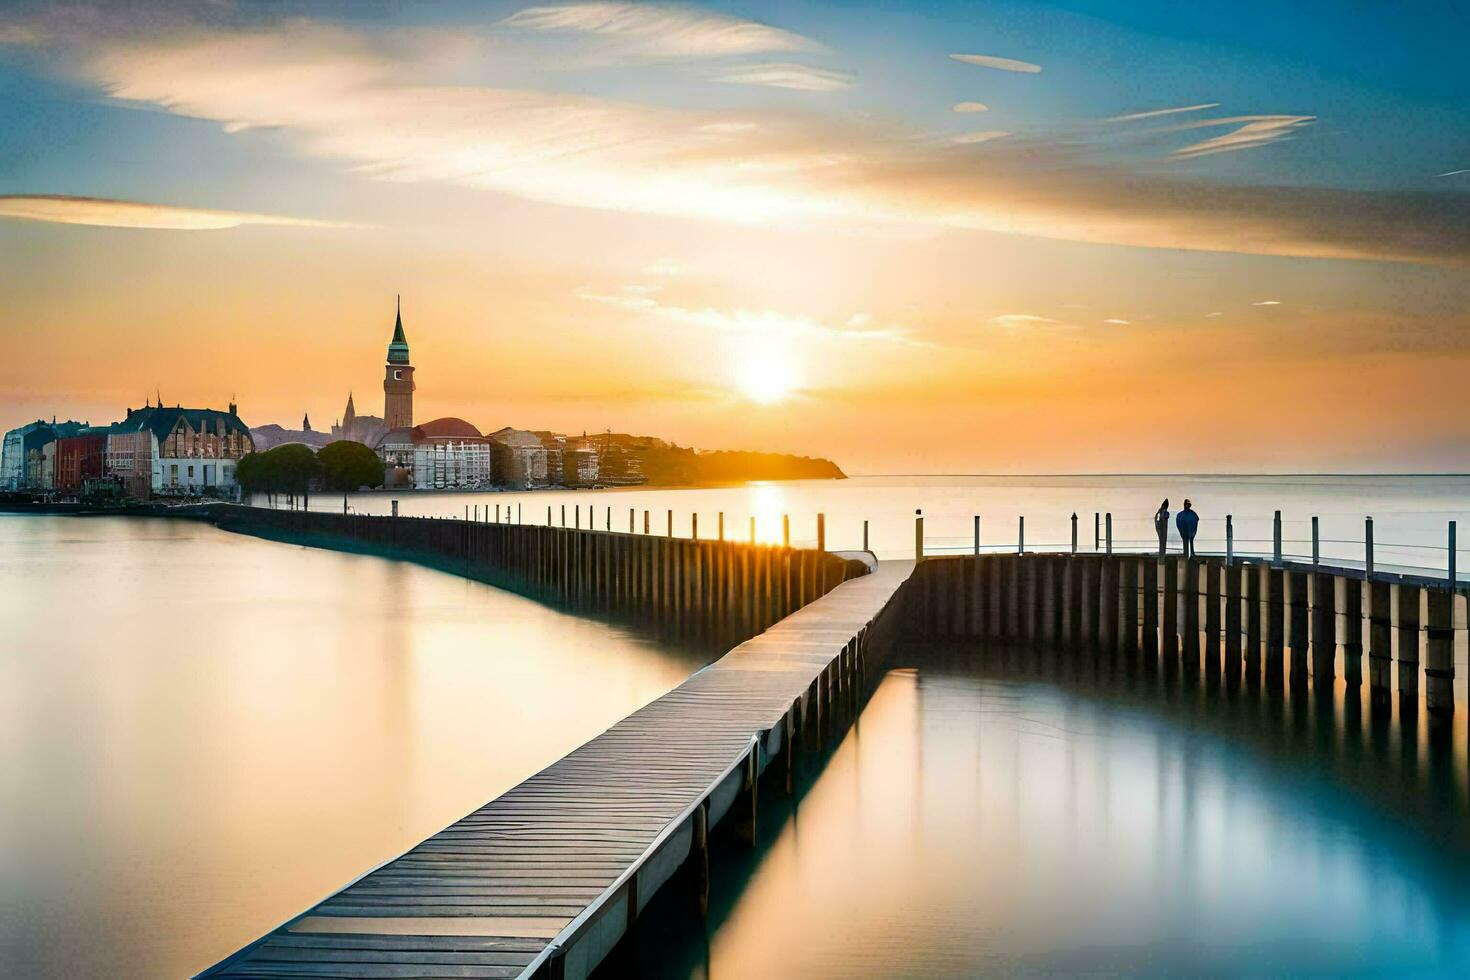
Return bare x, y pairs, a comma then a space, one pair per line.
177, 451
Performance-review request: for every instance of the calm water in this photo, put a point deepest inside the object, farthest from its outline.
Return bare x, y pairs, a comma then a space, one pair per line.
201, 733
1410, 512
979, 823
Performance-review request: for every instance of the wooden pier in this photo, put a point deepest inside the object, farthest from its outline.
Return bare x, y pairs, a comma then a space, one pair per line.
544, 880
715, 592
1282, 624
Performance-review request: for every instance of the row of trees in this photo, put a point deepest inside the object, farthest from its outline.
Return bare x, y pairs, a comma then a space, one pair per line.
342, 466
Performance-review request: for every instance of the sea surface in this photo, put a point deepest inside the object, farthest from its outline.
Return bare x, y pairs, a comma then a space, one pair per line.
984, 822
203, 734
1411, 514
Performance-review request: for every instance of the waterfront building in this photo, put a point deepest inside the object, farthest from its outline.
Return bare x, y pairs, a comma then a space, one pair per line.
581, 462
157, 450
43, 467
555, 445
395, 448
520, 459
80, 458
450, 454
398, 384
22, 453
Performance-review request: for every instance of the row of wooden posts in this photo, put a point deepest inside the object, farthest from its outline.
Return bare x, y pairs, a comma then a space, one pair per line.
1102, 539
1259, 621
718, 589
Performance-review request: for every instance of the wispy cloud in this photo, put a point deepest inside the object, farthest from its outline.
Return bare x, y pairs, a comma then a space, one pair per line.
1453, 173
803, 78
983, 136
990, 61
1012, 321
970, 107
1251, 131
109, 213
1117, 322
1154, 113
660, 31
1213, 315
1267, 302
769, 324
377, 103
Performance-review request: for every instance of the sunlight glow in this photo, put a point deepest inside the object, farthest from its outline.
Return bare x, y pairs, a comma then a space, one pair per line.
765, 375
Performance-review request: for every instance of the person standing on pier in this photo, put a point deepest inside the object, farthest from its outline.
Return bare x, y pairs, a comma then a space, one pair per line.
1188, 522
1161, 524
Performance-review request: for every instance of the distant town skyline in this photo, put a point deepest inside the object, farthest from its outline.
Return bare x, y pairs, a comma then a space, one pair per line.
1081, 236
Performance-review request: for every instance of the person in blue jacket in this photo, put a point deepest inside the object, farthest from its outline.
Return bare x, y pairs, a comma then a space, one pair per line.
1161, 525
1188, 524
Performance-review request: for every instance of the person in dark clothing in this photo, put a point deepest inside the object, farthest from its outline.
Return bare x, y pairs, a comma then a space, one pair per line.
1188, 523
1161, 524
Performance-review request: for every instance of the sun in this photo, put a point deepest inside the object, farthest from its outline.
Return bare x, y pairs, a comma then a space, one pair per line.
765, 376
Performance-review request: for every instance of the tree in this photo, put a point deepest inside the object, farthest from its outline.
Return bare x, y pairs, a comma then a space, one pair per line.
294, 466
285, 469
250, 473
348, 466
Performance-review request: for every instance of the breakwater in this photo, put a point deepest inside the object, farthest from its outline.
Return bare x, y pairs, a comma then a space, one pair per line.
717, 592
1252, 623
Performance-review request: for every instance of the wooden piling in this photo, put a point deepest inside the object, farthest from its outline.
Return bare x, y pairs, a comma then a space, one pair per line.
1189, 597
1128, 597
1149, 597
1439, 653
1275, 626
1299, 605
1211, 627
1324, 629
1254, 577
1169, 638
1408, 637
1352, 631
1234, 576
1380, 642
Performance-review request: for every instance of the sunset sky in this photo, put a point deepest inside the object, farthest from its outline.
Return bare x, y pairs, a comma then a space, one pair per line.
951, 237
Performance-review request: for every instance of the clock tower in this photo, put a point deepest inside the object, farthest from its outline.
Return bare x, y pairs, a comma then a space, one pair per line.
398, 383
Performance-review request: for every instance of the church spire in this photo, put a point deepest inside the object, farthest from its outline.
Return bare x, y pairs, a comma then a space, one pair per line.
398, 348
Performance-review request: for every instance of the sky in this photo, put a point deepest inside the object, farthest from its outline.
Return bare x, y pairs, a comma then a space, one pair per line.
1006, 237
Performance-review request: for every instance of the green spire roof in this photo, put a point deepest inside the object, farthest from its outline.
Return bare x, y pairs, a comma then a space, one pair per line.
398, 349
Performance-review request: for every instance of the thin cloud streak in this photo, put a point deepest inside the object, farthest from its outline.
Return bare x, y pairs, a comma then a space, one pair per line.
803, 78
1001, 64
984, 136
1155, 113
111, 213
656, 30
768, 323
970, 107
1012, 321
1253, 131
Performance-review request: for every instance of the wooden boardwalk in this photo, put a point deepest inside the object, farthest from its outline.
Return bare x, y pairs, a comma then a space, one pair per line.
545, 879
